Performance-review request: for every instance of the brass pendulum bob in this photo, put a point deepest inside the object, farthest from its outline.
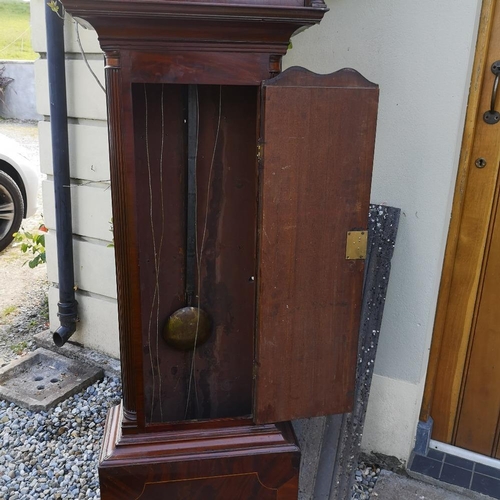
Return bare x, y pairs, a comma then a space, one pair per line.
189, 327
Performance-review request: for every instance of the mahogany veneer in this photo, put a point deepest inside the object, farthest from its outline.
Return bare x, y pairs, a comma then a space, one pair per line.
237, 462
283, 168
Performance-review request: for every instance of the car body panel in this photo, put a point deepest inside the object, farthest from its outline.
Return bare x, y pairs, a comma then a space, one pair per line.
13, 153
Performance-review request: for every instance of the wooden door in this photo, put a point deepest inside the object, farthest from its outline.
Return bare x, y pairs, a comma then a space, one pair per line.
318, 138
462, 391
477, 426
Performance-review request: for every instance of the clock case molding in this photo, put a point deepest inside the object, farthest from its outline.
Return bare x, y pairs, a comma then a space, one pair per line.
309, 155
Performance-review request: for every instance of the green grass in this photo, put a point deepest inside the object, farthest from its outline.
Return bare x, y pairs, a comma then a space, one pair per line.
8, 310
19, 348
15, 31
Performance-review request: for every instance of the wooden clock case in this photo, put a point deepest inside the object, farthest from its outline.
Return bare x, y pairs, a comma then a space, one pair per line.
283, 171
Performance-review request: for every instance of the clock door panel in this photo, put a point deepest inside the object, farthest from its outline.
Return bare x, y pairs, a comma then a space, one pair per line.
318, 135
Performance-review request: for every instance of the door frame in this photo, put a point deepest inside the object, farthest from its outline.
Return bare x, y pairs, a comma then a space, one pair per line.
467, 243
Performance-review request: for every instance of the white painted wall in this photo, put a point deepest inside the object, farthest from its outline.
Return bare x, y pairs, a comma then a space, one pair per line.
91, 194
420, 53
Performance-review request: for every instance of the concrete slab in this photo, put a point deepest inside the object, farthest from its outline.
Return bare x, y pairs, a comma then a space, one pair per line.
72, 350
391, 486
43, 378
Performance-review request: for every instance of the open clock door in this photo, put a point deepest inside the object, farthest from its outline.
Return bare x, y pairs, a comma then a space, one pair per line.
318, 134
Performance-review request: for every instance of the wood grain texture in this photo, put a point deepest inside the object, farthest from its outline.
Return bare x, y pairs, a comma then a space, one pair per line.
479, 411
497, 448
467, 241
161, 42
216, 68
233, 10
126, 257
157, 42
248, 25
314, 187
458, 205
242, 462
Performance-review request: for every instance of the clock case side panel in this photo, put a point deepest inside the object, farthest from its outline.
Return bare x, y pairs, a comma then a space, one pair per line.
125, 237
318, 135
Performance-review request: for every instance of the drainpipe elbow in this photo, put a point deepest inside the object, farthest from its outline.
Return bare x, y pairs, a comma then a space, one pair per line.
68, 317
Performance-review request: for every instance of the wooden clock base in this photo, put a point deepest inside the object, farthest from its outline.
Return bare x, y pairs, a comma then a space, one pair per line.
230, 461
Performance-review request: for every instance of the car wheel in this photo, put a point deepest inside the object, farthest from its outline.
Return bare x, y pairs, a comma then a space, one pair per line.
11, 209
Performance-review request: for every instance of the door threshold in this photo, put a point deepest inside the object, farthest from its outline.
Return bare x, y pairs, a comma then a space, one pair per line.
462, 453
457, 467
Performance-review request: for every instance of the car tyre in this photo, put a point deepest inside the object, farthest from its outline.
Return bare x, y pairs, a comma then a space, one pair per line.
11, 209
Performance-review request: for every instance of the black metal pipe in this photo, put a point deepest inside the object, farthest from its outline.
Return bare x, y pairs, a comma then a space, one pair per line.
67, 305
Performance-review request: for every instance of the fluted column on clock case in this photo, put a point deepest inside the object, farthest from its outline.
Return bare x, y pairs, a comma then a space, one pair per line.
126, 256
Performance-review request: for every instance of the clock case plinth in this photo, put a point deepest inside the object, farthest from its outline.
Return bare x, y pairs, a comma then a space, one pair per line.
237, 461
291, 176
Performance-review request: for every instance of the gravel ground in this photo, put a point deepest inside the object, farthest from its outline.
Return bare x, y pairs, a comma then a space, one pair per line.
54, 454
23, 309
365, 479
17, 330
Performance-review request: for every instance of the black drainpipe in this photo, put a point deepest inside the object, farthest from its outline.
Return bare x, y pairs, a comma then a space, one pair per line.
67, 305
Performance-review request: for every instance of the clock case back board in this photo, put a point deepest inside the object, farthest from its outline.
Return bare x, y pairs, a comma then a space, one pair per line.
283, 172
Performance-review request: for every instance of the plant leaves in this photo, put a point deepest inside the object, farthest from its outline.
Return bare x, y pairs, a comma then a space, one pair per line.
53, 6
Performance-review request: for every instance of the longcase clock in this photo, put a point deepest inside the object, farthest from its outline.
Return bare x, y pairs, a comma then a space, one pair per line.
240, 198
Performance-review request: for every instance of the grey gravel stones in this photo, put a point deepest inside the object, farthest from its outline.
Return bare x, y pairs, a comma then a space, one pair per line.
364, 481
54, 454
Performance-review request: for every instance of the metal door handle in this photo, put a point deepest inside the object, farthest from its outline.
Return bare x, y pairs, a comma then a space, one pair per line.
491, 116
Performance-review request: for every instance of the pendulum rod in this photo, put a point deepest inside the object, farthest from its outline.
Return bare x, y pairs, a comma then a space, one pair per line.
191, 222
191, 230
192, 262
191, 326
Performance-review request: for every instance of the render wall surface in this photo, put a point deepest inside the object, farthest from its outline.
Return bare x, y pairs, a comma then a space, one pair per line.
19, 99
420, 53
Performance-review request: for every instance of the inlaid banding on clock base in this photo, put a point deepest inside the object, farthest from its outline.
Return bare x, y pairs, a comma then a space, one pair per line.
226, 461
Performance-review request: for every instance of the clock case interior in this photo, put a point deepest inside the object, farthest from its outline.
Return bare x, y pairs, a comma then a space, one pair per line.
216, 380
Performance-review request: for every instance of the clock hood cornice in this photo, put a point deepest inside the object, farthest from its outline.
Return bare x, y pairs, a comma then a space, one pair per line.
197, 25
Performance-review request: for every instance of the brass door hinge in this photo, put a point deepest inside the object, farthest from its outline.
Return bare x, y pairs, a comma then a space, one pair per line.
356, 245
260, 150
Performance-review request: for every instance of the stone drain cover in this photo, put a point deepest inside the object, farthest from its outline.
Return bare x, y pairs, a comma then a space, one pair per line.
43, 378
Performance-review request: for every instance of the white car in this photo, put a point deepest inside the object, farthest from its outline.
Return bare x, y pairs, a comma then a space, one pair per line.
18, 189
